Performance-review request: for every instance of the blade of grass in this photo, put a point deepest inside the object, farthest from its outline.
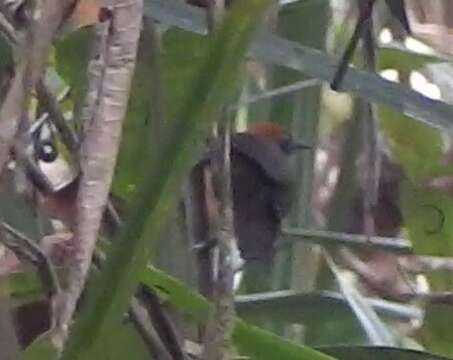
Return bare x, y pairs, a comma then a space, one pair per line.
275, 50
251, 340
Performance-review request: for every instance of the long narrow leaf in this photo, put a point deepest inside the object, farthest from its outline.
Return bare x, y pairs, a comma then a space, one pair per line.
251, 340
275, 50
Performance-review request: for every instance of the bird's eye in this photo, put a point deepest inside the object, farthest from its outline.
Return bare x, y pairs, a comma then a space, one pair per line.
287, 145
46, 151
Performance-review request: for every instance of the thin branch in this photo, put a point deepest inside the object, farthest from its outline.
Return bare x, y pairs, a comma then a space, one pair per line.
217, 336
445, 298
69, 137
150, 320
11, 112
372, 279
41, 30
66, 302
8, 31
154, 344
163, 323
291, 298
283, 90
418, 264
50, 104
106, 104
376, 330
26, 249
365, 14
370, 126
220, 325
393, 245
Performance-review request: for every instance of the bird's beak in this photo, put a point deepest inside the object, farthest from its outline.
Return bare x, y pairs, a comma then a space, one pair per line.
297, 145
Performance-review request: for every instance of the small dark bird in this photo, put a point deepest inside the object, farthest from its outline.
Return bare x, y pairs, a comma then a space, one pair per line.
261, 184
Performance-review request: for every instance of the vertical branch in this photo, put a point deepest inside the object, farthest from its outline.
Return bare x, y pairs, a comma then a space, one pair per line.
196, 210
103, 113
226, 257
305, 124
220, 324
370, 133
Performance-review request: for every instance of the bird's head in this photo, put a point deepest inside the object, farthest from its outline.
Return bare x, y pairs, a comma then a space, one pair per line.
277, 133
269, 145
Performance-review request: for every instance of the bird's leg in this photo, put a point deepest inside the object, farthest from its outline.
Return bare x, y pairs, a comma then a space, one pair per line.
206, 246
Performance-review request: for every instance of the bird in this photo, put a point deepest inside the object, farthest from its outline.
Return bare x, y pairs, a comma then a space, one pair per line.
262, 183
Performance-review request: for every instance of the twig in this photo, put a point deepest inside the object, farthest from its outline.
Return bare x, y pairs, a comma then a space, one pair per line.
150, 321
370, 128
393, 245
10, 113
138, 315
68, 300
27, 250
283, 90
445, 298
426, 263
197, 220
163, 323
373, 279
40, 32
8, 31
216, 342
105, 108
291, 298
376, 330
220, 324
68, 135
50, 104
364, 16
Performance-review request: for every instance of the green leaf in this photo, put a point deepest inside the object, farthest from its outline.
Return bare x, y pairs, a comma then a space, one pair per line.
313, 307
40, 349
377, 353
377, 331
259, 344
427, 214
275, 50
399, 57
71, 55
25, 287
180, 59
250, 340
